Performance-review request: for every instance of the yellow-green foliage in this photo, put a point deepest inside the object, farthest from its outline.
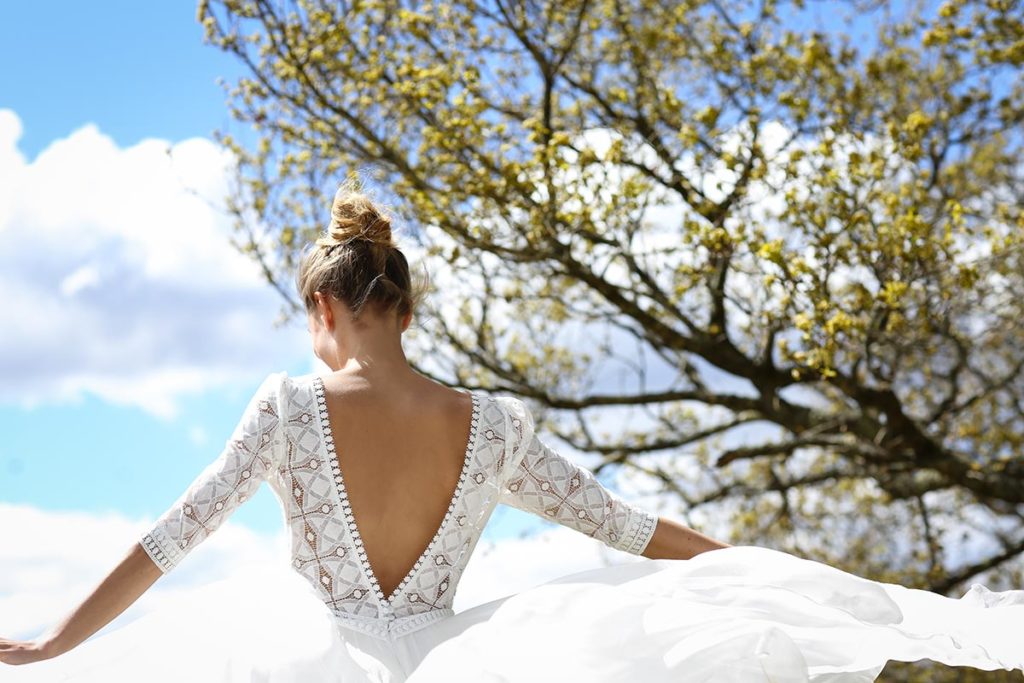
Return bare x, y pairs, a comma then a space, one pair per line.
637, 191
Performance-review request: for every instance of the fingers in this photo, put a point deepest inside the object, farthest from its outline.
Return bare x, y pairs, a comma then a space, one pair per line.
15, 652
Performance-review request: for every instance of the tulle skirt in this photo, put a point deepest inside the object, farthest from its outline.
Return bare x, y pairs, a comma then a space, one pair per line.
743, 614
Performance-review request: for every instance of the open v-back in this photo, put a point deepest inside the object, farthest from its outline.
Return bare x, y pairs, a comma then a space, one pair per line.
284, 437
330, 453
741, 614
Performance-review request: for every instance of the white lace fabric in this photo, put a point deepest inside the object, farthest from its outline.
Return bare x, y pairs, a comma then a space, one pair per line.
284, 438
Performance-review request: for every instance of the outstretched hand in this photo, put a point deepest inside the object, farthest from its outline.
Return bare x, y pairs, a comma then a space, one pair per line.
122, 586
16, 652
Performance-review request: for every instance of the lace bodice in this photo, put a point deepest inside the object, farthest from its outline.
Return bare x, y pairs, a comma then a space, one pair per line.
284, 438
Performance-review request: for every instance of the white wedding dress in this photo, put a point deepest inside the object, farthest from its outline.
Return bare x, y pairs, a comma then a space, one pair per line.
736, 614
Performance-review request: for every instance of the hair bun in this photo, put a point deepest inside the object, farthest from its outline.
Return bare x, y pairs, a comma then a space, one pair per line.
354, 216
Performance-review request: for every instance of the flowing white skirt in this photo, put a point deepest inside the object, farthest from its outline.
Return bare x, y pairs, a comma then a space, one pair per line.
743, 614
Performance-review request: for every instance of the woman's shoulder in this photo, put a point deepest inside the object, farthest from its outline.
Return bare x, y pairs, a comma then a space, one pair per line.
515, 407
520, 422
282, 388
306, 381
275, 382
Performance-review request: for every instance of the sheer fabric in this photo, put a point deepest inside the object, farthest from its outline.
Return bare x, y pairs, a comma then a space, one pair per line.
736, 615
284, 438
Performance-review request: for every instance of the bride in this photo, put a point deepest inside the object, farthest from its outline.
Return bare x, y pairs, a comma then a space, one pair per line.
386, 480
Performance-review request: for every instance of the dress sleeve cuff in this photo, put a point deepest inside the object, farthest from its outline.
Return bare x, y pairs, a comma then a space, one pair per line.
161, 549
639, 531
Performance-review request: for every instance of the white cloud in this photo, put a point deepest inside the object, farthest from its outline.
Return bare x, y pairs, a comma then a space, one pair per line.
499, 568
50, 561
83, 278
117, 276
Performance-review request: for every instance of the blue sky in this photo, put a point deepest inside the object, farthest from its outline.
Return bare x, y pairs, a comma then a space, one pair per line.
131, 334
116, 394
127, 347
137, 70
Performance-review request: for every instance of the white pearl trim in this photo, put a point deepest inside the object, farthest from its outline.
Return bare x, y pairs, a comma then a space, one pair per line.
390, 629
639, 531
164, 552
332, 458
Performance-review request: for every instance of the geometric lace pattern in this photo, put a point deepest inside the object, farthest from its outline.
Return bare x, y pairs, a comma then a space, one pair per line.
385, 603
543, 482
285, 439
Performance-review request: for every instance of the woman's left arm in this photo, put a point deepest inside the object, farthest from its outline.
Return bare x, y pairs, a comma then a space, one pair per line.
123, 586
675, 541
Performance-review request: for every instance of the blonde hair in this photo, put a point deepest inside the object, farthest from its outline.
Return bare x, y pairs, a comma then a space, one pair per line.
358, 260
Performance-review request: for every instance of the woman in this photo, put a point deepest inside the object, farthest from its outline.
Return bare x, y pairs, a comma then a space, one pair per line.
387, 479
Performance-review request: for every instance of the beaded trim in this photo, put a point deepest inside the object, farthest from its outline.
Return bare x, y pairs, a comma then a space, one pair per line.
391, 629
642, 535
346, 507
162, 550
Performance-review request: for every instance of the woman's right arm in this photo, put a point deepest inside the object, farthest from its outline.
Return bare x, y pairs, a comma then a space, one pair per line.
675, 541
220, 488
123, 586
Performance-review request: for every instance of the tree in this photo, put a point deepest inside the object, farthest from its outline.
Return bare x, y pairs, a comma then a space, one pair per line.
784, 263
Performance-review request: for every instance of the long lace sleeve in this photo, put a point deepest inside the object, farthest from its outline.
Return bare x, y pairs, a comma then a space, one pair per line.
246, 460
538, 479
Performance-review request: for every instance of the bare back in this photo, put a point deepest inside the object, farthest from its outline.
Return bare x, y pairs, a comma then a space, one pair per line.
393, 473
401, 457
